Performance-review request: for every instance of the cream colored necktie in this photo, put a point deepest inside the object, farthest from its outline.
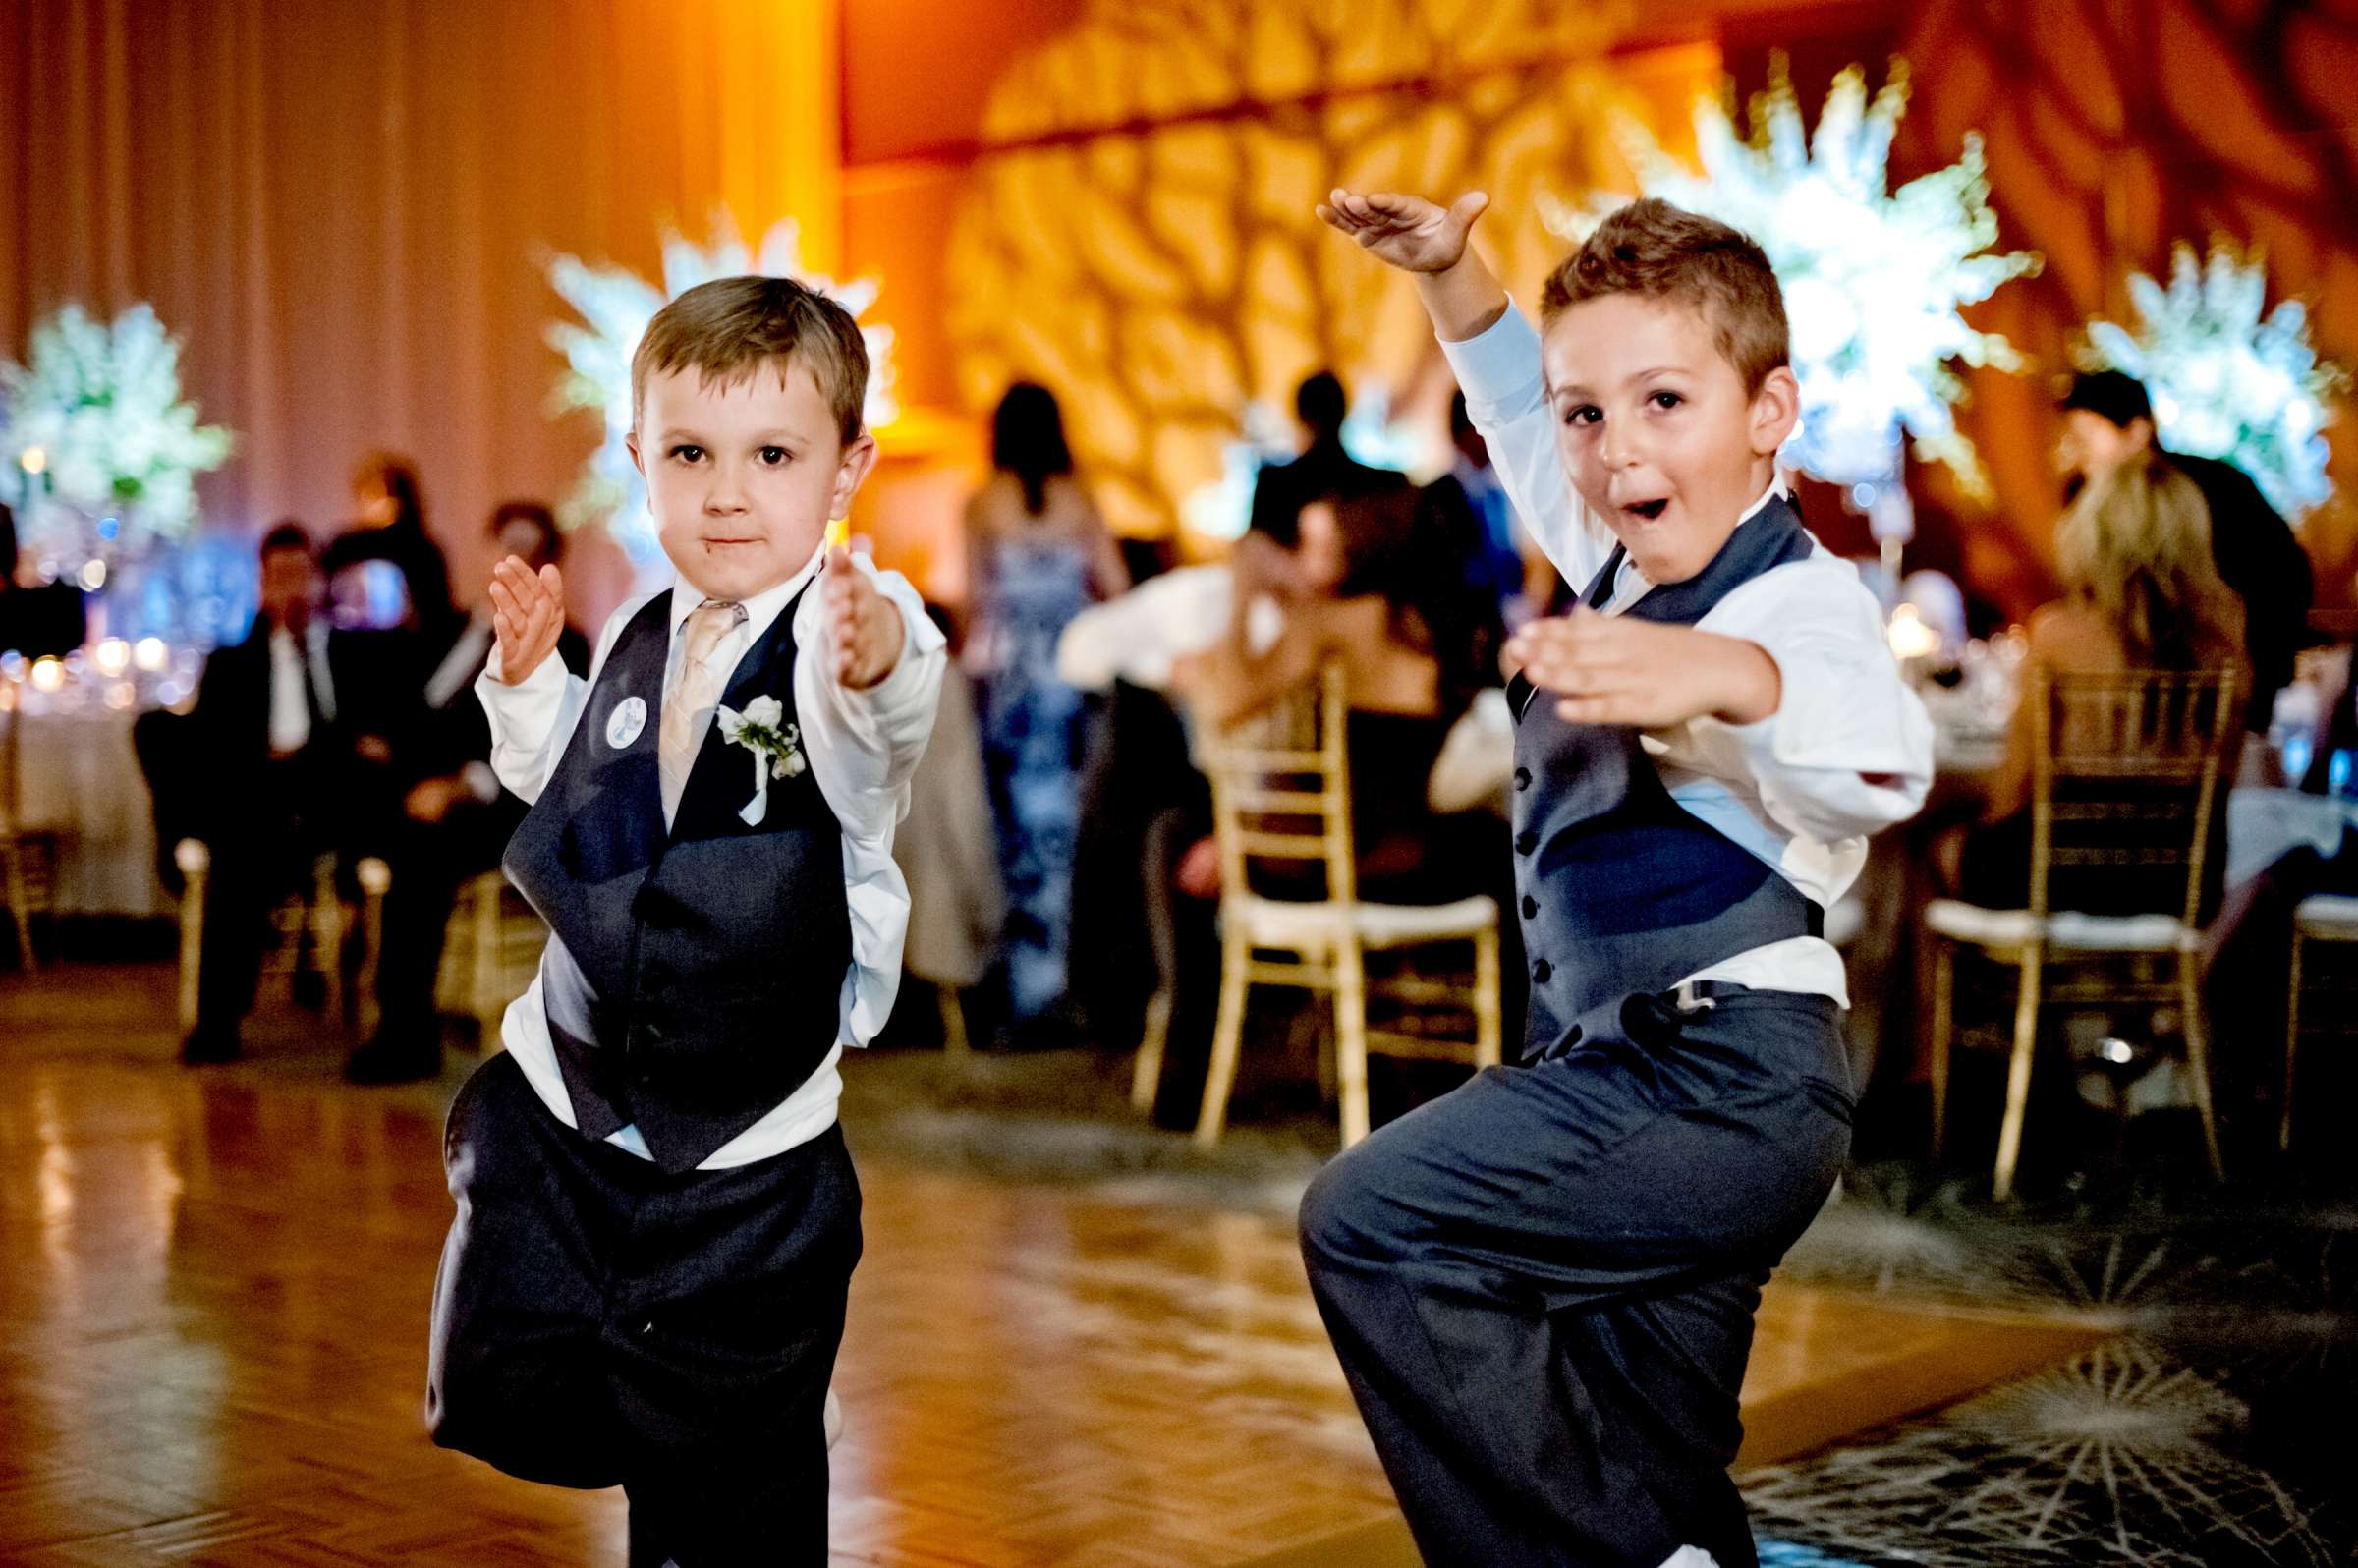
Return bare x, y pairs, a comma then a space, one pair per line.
689, 706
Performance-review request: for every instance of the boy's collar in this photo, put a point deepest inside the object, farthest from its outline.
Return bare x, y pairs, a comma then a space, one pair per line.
1776, 491
759, 610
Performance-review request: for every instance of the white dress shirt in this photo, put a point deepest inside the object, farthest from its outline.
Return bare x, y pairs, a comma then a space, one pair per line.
861, 746
1849, 748
294, 662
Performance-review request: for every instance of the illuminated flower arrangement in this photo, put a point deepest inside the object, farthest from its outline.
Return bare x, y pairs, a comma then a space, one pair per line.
1872, 278
2225, 382
99, 412
617, 305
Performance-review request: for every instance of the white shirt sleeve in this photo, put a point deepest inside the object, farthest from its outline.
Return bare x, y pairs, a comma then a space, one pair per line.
1849, 748
862, 746
533, 721
1507, 395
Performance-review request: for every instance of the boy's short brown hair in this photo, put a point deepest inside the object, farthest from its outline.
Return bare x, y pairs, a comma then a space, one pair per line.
1660, 251
729, 328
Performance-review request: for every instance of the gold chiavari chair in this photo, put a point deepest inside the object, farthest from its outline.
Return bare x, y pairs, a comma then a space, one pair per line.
28, 858
1282, 802
2324, 998
491, 955
309, 926
2124, 781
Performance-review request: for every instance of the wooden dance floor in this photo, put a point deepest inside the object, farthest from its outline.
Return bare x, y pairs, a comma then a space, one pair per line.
213, 1291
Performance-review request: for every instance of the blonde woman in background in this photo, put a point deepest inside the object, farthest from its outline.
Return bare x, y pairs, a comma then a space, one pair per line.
2141, 593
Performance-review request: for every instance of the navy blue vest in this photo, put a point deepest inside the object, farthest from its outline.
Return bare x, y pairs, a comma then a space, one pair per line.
1623, 891
694, 978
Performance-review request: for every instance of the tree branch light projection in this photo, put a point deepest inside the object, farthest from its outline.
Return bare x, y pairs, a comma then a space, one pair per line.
617, 305
1873, 279
2226, 383
98, 414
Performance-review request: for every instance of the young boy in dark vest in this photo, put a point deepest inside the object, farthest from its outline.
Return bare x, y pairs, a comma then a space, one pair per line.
1542, 1286
656, 1216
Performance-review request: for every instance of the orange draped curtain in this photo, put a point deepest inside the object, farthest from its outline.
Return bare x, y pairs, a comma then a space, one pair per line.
343, 212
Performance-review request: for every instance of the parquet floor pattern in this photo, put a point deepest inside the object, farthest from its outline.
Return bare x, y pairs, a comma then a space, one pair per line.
213, 1293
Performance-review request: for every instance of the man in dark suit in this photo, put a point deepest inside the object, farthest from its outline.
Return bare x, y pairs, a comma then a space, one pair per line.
1323, 471
2107, 419
285, 752
454, 820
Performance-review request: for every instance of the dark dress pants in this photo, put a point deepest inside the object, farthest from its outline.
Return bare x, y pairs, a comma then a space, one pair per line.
1542, 1286
599, 1323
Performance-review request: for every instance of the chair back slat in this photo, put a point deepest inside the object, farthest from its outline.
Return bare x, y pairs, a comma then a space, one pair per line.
1281, 793
2125, 777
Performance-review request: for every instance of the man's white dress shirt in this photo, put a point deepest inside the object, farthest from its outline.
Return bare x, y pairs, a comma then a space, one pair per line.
1849, 748
861, 747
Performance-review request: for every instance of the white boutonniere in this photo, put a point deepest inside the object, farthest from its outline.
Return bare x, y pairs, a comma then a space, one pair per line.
777, 747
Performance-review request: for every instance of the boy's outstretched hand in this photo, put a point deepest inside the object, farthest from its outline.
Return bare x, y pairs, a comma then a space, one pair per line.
528, 612
864, 626
1409, 232
1612, 669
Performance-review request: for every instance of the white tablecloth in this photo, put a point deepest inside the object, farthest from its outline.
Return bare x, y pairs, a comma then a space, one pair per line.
2263, 824
82, 782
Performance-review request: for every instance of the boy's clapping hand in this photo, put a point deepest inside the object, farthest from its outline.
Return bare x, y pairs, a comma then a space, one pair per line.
527, 613
1608, 669
864, 626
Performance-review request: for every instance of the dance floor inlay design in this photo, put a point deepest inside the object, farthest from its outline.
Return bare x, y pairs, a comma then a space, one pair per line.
214, 1288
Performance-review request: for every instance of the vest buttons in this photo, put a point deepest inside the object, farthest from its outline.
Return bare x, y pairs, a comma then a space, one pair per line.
1531, 906
1542, 971
1525, 841
1522, 778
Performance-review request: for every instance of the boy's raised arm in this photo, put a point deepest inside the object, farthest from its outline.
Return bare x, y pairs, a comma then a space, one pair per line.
1494, 352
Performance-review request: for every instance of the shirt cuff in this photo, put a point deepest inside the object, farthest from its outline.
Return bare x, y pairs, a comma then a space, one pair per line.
1498, 367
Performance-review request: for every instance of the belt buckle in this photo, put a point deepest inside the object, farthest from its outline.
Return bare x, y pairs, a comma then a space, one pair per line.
1690, 999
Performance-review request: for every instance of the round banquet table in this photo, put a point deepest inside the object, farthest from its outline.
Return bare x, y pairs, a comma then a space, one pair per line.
80, 781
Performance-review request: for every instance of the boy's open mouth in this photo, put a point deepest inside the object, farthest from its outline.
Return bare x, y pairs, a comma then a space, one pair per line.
1649, 510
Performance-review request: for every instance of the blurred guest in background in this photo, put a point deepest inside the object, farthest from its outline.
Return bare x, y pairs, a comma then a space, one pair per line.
36, 618
1362, 589
390, 526
1038, 555
1486, 540
1282, 490
454, 822
2141, 593
282, 767
2109, 421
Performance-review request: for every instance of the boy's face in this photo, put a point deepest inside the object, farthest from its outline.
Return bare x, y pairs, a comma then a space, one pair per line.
743, 480
1655, 431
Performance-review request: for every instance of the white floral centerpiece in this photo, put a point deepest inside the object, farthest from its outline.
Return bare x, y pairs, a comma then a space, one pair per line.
617, 305
2226, 381
1872, 278
97, 412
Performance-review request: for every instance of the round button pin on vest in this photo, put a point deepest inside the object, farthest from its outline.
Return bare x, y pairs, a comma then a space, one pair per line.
625, 721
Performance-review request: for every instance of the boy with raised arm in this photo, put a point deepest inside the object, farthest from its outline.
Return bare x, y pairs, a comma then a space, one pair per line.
1542, 1286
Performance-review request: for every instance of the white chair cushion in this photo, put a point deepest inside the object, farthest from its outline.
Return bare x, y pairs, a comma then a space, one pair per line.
1279, 923
2327, 917
2103, 933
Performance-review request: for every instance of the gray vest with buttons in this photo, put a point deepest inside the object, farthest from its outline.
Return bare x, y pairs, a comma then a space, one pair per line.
1622, 891
694, 976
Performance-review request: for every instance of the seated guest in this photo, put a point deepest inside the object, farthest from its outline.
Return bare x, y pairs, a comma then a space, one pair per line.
1471, 501
288, 765
1325, 469
2107, 420
2135, 554
454, 820
1361, 590
36, 618
390, 526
